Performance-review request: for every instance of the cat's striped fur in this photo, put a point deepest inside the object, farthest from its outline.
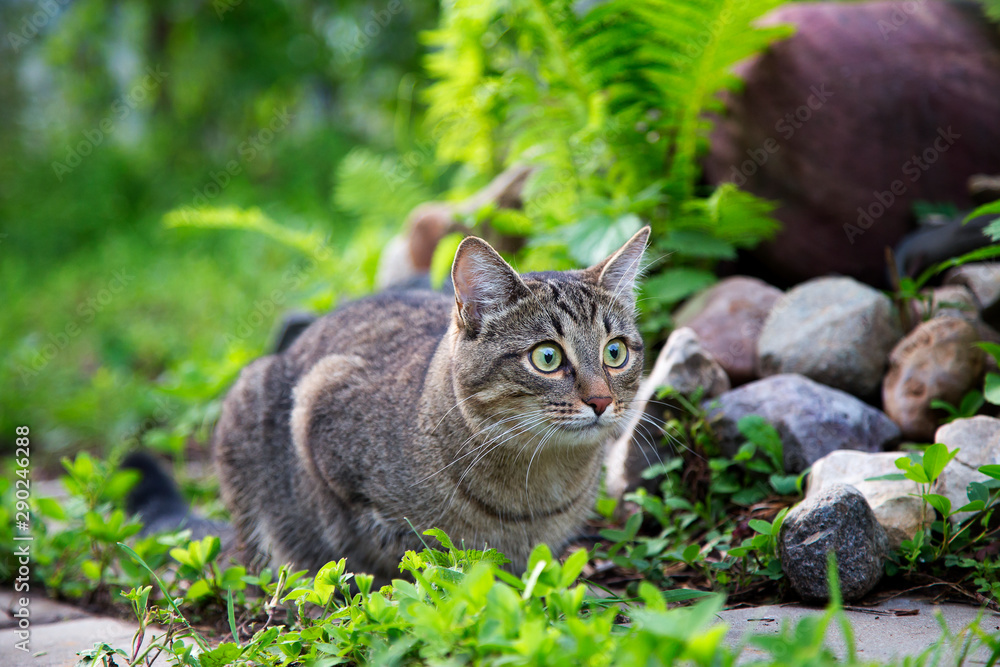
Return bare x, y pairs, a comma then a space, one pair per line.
419, 406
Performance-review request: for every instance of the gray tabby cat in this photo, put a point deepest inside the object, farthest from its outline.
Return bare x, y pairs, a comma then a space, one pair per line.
486, 415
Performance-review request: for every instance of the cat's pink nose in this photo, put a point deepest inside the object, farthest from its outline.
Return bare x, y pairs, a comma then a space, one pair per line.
599, 403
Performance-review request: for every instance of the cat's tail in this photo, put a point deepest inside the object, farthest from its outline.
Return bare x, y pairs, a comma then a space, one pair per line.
159, 503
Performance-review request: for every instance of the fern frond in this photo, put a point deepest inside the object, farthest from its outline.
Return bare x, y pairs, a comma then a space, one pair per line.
693, 48
607, 104
379, 190
311, 244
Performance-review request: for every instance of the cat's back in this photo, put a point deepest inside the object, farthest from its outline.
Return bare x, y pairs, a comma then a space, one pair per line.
391, 335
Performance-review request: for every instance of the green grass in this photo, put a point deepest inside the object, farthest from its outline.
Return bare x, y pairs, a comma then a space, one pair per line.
90, 341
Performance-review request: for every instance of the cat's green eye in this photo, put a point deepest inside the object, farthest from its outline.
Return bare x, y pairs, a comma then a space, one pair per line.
546, 357
615, 353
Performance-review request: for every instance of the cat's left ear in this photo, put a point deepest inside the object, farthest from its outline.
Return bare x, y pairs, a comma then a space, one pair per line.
484, 282
618, 273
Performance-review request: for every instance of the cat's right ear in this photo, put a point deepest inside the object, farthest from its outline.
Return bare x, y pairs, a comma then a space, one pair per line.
484, 282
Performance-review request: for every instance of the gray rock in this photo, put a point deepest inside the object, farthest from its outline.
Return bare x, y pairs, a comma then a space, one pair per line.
947, 300
938, 360
688, 366
983, 280
895, 508
728, 318
812, 419
979, 441
837, 519
833, 330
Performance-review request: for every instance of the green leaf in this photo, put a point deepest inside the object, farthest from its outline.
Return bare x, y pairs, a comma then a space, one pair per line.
329, 577
785, 485
231, 615
941, 503
163, 589
683, 594
50, 508
91, 569
912, 470
938, 404
992, 230
573, 566
198, 589
444, 256
757, 430
991, 388
762, 527
597, 236
672, 285
992, 349
936, 458
511, 222
691, 553
978, 491
183, 557
441, 537
740, 217
974, 506
222, 655
991, 470
891, 477
971, 403
119, 483
697, 243
991, 208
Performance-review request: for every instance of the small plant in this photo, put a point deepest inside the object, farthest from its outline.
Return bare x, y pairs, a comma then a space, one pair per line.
718, 517
907, 290
968, 407
947, 541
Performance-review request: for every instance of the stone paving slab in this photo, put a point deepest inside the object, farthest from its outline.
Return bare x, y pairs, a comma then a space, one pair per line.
878, 637
42, 610
56, 644
57, 632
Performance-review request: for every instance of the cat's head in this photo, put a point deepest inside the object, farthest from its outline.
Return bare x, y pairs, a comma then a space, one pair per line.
552, 357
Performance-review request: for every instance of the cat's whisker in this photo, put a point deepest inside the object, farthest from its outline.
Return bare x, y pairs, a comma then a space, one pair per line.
673, 439
518, 430
440, 421
497, 424
545, 438
641, 418
522, 428
654, 402
454, 493
478, 447
647, 441
663, 424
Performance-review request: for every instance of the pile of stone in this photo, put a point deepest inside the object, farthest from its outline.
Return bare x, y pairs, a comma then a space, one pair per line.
829, 365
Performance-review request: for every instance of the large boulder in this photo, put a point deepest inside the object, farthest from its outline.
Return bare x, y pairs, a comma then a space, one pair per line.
936, 361
812, 419
978, 440
836, 519
866, 109
728, 318
834, 330
896, 507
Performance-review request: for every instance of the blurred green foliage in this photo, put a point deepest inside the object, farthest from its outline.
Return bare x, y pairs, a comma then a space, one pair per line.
115, 113
158, 150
